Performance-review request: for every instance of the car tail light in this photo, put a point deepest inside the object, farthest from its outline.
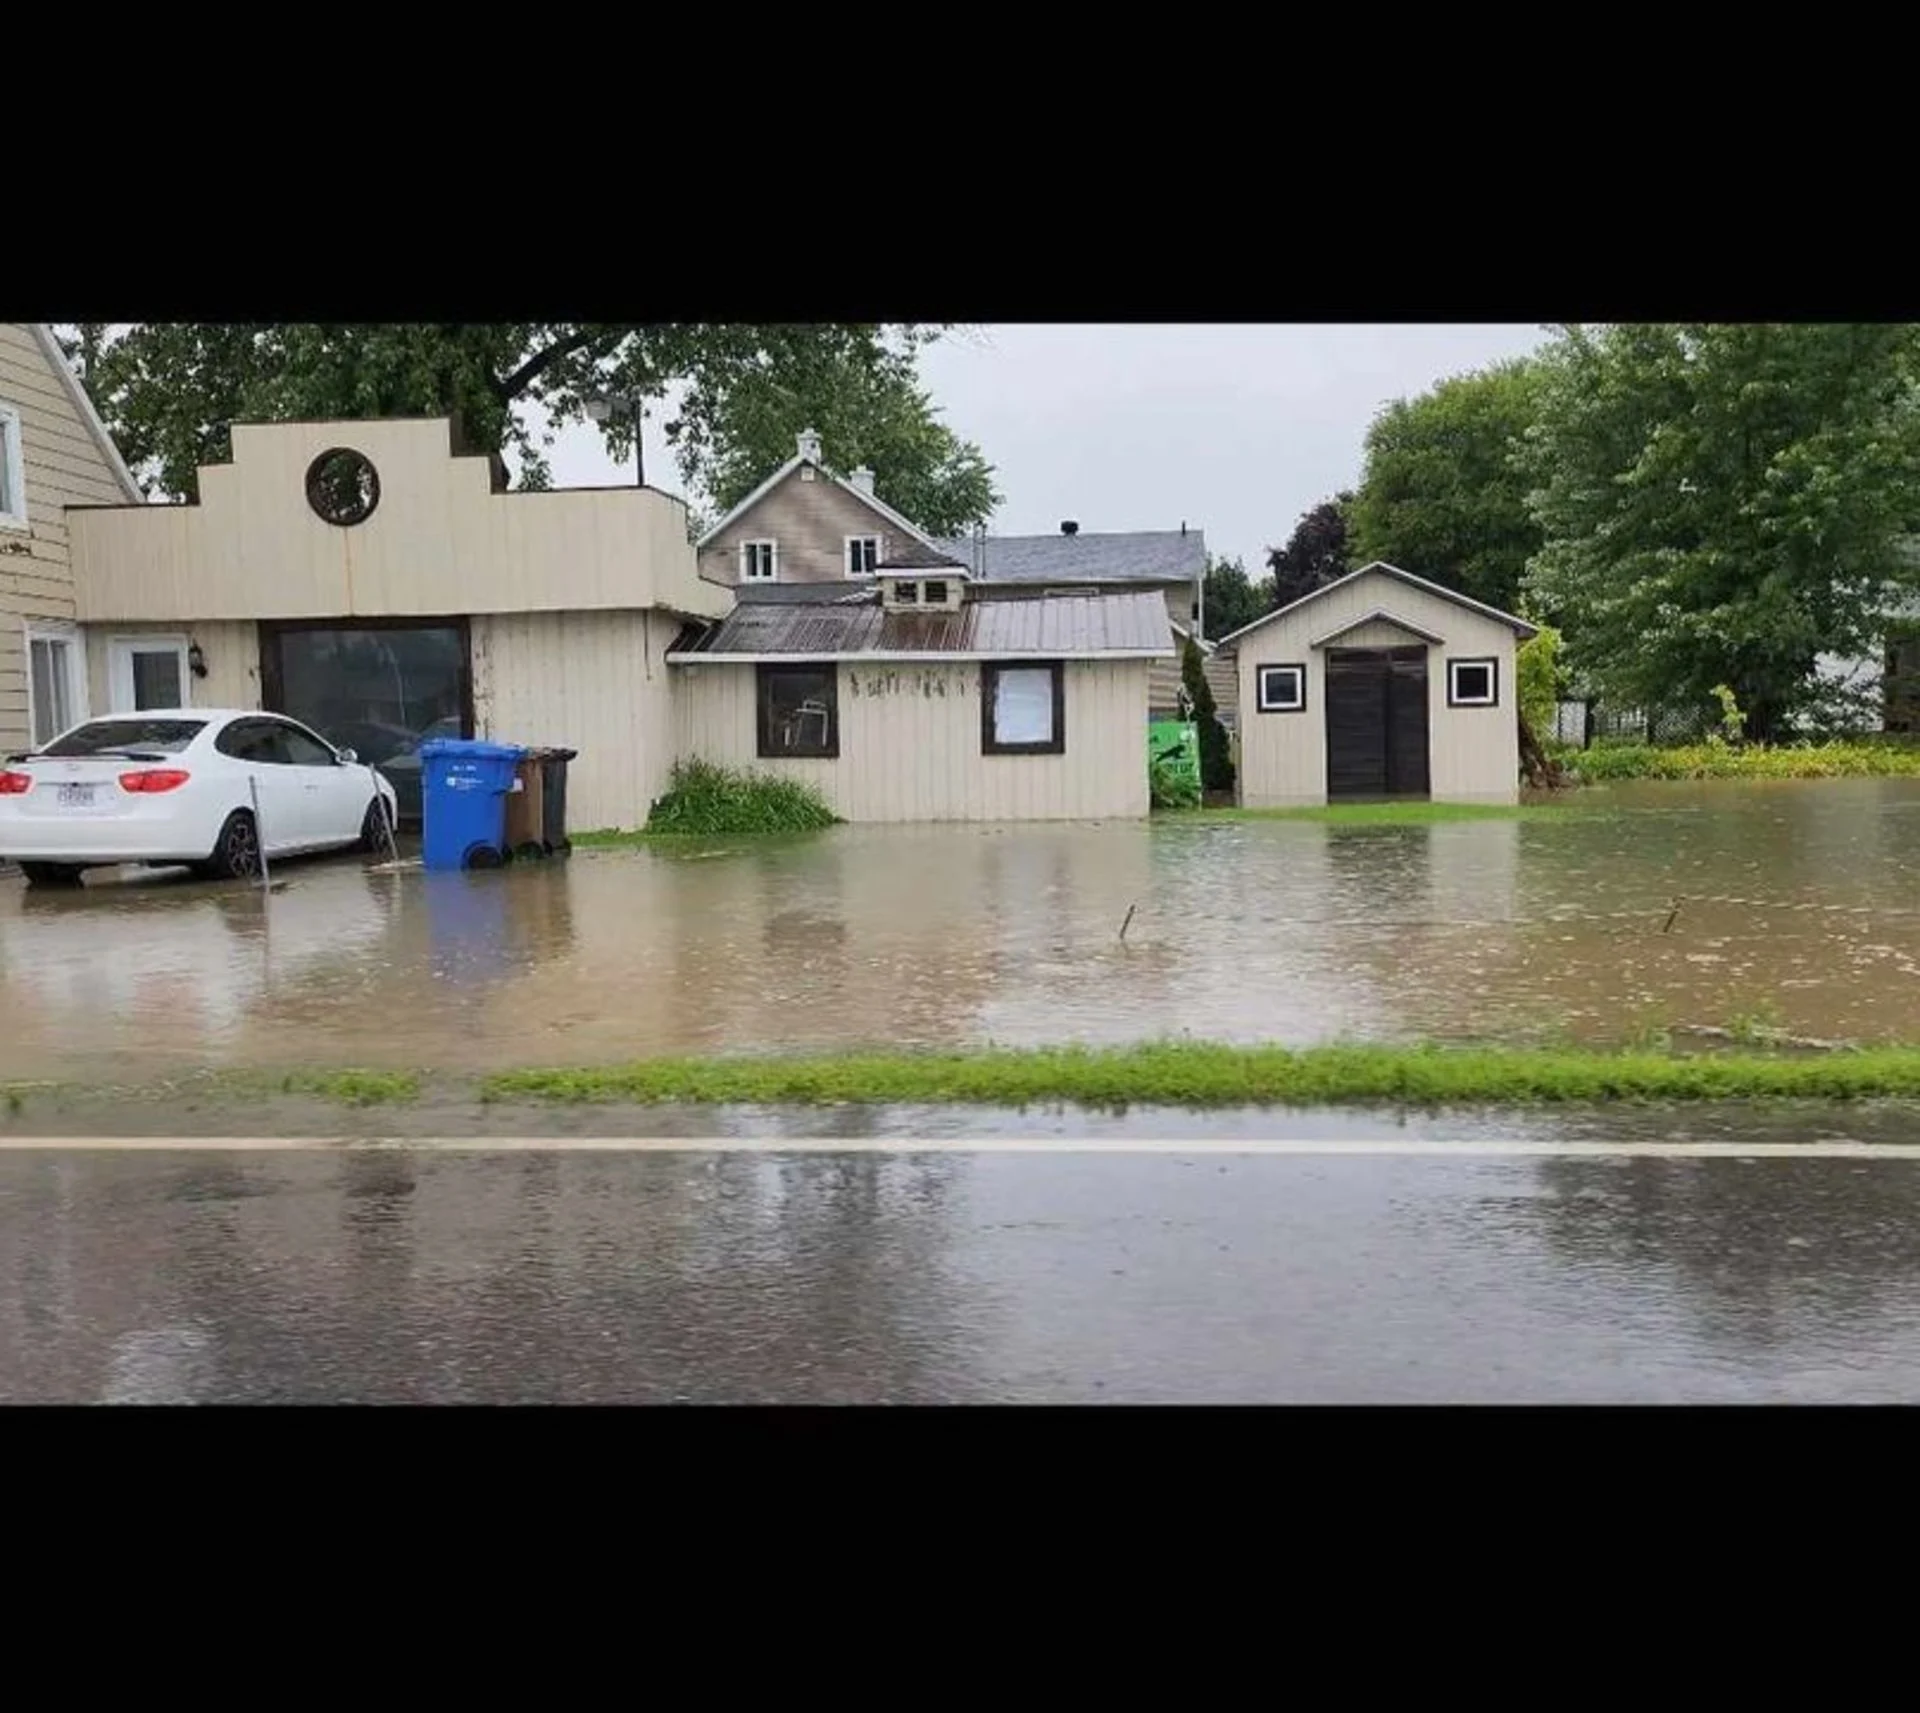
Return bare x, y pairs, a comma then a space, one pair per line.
153, 779
15, 784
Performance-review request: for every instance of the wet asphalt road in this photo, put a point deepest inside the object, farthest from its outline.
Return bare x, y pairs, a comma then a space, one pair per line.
162, 1275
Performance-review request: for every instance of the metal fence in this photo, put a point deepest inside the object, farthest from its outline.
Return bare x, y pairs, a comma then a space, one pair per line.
1584, 723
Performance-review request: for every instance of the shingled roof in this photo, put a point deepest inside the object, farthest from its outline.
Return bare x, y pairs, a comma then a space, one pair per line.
1156, 555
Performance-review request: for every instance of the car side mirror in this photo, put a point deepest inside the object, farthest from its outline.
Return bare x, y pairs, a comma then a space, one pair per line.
348, 757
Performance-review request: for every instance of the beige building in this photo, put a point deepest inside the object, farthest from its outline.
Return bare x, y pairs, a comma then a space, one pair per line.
924, 697
371, 580
1379, 685
378, 583
805, 524
53, 454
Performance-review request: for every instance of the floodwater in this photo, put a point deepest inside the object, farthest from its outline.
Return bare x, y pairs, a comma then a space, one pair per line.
161, 1276
1798, 906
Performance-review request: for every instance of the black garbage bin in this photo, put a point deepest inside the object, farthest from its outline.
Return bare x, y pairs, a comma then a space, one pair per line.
553, 797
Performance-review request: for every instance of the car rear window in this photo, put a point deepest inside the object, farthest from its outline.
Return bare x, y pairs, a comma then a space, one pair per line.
169, 737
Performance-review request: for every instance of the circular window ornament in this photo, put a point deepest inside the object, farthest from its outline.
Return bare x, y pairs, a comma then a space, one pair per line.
343, 487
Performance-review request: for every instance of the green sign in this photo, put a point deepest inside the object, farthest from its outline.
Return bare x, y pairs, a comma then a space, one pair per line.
1174, 745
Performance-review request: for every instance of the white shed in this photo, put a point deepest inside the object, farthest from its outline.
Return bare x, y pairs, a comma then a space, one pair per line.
1380, 685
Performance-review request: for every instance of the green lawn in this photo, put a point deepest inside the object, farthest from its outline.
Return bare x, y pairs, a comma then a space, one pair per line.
1195, 1074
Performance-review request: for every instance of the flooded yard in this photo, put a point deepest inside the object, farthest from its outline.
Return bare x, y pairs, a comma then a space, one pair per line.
1798, 905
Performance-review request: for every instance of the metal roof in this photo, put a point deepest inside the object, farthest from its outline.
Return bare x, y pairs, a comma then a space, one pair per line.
1063, 626
1164, 555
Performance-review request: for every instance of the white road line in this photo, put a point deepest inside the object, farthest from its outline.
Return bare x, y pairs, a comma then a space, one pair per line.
1835, 1148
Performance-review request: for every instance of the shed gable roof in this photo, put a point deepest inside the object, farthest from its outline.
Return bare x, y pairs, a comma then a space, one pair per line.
1378, 616
1381, 568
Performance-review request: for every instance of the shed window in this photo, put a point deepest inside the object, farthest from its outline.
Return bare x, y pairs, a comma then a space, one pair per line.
863, 555
13, 476
1282, 689
799, 711
759, 561
905, 594
936, 594
1023, 709
1473, 684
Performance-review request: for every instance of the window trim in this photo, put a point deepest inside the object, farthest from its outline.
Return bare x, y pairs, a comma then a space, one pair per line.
1492, 698
773, 559
58, 630
122, 649
1263, 705
15, 467
763, 672
846, 551
990, 671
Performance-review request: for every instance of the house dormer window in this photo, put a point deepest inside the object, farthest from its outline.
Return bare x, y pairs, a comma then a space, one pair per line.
759, 561
13, 476
863, 555
936, 592
906, 593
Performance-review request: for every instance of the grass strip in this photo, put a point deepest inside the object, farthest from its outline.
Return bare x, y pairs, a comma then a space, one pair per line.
1198, 1075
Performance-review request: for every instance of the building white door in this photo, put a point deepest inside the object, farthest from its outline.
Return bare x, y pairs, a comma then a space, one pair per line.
148, 672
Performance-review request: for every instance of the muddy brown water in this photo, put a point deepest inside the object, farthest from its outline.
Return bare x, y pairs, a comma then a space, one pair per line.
1799, 906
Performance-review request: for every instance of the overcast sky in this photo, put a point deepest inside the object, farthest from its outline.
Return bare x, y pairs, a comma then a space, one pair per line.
1234, 430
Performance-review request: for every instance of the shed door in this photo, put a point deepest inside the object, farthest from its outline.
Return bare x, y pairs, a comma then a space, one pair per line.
1377, 723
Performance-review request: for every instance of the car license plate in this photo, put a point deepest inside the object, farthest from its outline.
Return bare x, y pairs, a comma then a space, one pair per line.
76, 797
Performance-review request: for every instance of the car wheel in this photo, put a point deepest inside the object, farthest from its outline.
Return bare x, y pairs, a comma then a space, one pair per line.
375, 830
236, 853
51, 873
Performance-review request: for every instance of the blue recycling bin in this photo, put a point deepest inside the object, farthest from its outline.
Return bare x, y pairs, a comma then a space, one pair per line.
463, 802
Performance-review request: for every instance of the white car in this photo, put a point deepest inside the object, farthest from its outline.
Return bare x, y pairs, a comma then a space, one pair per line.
178, 785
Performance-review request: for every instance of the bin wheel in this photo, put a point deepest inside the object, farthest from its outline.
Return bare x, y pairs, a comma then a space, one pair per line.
531, 849
485, 856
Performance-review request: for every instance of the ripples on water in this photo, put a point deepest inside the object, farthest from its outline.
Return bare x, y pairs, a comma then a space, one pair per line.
1797, 904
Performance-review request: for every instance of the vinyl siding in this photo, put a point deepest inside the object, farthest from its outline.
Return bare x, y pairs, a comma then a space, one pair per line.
62, 465
592, 682
439, 541
811, 521
1474, 752
910, 743
232, 653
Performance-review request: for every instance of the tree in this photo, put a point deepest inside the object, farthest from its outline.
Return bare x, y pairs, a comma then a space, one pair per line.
1440, 495
1315, 554
1723, 503
169, 392
1233, 599
1216, 758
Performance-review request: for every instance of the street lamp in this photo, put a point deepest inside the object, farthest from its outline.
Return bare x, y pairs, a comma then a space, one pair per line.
633, 406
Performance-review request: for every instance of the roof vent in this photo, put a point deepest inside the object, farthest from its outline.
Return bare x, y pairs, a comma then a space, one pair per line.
1069, 527
862, 479
809, 439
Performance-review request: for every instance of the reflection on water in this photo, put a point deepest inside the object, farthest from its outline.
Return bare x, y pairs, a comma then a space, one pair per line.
159, 1277
1798, 899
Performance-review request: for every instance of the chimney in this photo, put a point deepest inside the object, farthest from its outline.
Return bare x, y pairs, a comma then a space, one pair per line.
1069, 527
810, 444
862, 479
